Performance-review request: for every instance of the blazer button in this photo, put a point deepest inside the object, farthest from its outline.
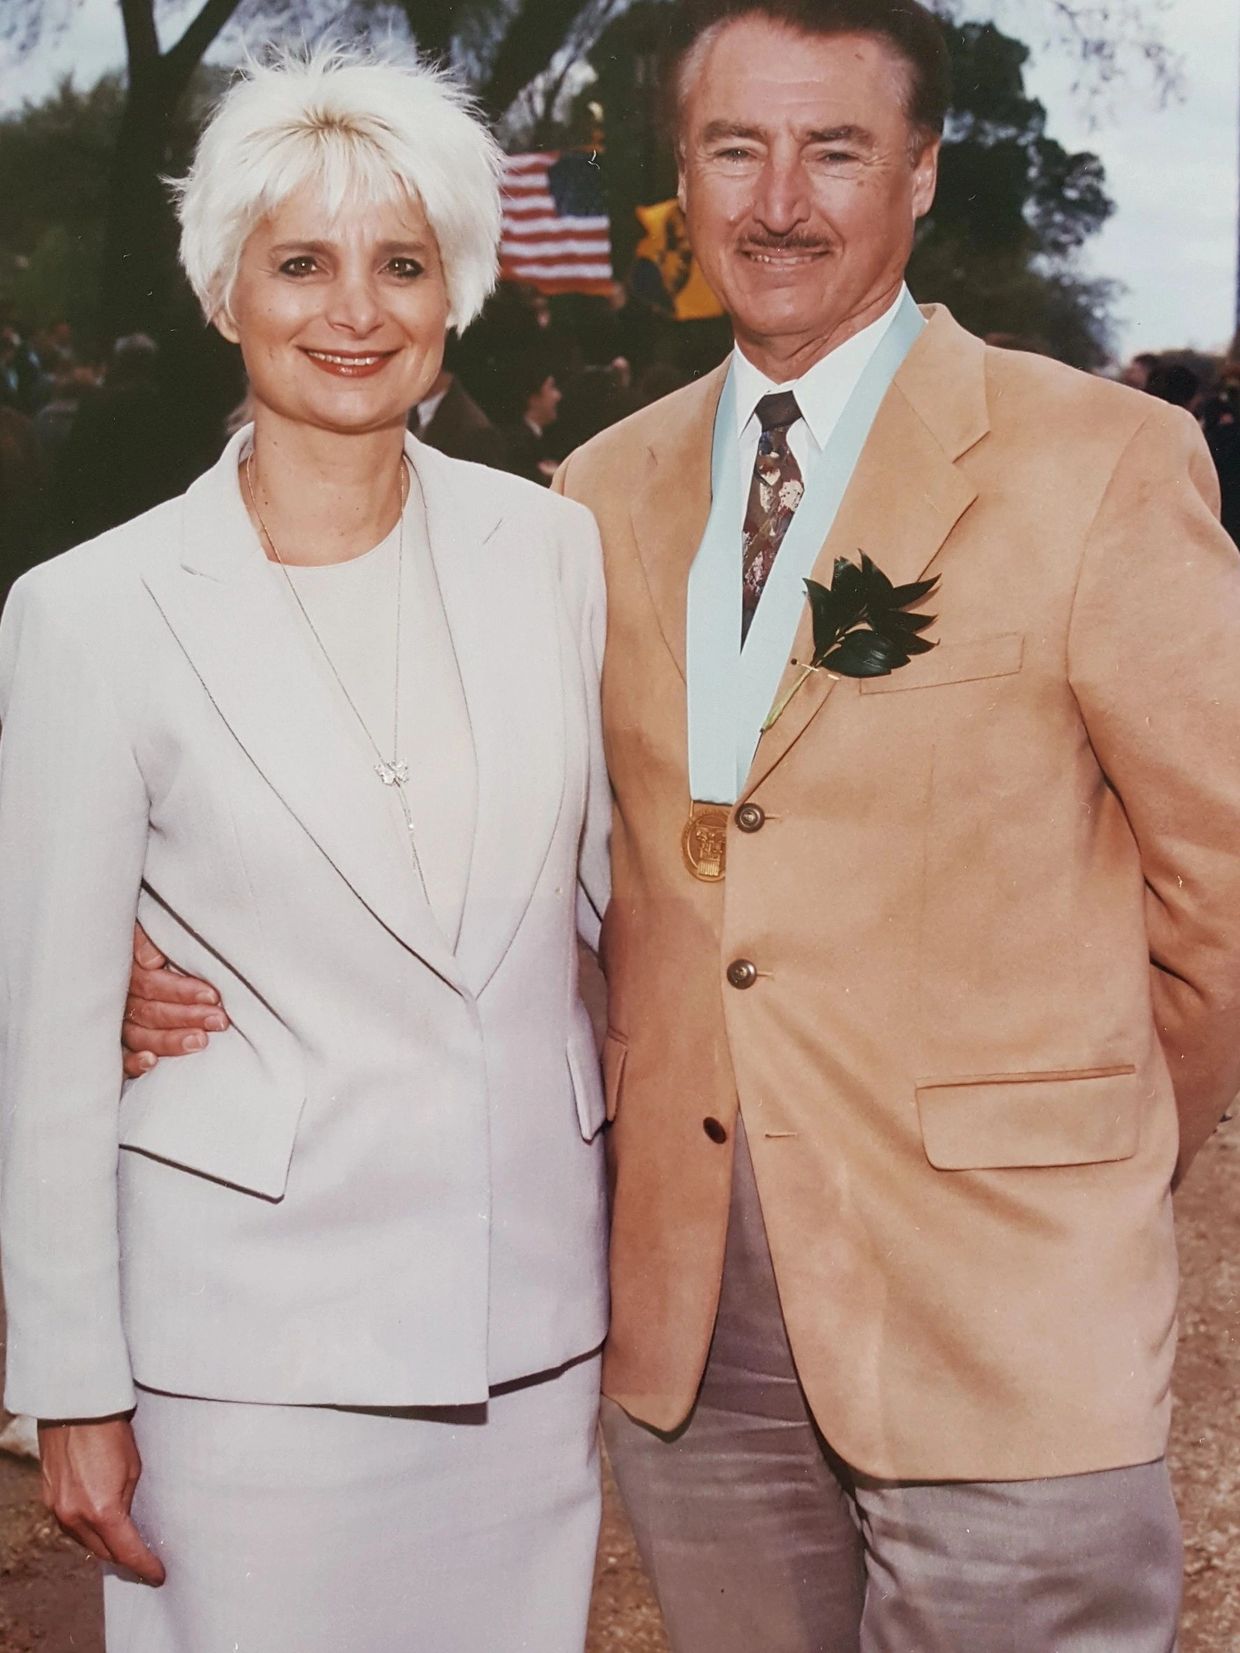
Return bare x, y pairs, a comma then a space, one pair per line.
751, 818
715, 1131
742, 973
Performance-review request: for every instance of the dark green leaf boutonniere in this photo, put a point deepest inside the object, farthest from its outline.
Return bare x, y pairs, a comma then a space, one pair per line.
862, 627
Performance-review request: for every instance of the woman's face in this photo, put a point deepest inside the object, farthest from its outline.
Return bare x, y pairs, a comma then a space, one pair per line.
341, 323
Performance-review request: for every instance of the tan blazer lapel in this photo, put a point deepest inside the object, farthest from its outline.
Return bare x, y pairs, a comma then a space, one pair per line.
671, 502
250, 651
906, 496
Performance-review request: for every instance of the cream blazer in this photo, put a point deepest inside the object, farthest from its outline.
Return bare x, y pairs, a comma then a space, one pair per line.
383, 1185
993, 906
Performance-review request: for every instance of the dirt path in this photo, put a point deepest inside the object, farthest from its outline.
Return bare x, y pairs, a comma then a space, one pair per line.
49, 1596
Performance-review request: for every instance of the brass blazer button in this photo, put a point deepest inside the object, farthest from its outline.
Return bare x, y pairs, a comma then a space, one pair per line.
742, 973
751, 818
715, 1131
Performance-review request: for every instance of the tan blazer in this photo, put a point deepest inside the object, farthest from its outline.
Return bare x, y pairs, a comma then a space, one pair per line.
994, 905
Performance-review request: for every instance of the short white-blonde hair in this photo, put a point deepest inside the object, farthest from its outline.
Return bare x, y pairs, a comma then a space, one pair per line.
356, 123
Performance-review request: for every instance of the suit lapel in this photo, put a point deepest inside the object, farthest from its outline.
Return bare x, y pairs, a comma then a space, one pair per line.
503, 609
905, 497
251, 651
671, 503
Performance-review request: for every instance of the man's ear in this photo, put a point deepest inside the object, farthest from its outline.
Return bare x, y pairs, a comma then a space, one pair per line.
680, 182
926, 177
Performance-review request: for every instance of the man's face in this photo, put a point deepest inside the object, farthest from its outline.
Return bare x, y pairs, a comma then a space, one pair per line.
802, 180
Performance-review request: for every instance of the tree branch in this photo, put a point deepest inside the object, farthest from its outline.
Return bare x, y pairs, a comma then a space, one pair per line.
431, 22
537, 32
181, 60
141, 36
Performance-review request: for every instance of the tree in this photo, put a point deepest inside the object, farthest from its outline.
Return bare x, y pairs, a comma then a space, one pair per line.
54, 163
138, 268
1013, 208
504, 46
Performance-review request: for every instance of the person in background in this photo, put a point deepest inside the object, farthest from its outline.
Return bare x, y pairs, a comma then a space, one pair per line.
1175, 383
1137, 373
594, 399
537, 396
1220, 420
311, 1322
116, 460
449, 419
23, 475
21, 378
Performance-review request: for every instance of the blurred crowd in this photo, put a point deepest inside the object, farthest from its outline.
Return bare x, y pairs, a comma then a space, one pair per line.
90, 438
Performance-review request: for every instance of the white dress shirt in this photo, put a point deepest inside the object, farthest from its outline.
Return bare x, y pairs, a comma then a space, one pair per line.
822, 394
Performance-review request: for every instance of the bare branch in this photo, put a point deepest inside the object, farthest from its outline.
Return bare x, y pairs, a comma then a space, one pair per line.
1104, 36
141, 36
182, 59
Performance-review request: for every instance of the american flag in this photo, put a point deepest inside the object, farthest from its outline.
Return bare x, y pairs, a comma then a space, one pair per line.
556, 233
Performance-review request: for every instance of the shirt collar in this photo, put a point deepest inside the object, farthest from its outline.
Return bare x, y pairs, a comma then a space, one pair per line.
822, 393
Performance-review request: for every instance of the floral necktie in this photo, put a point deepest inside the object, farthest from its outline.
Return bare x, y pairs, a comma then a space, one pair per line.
774, 495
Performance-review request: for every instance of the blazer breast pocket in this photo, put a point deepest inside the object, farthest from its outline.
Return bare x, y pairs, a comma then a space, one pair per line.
965, 662
1086, 1116
229, 1112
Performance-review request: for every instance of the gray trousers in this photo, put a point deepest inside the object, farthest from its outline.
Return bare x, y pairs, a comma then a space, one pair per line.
758, 1539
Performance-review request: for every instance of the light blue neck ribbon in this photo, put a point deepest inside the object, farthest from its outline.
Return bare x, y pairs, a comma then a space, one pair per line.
731, 689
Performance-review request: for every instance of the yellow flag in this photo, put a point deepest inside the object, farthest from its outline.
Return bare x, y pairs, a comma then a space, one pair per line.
666, 246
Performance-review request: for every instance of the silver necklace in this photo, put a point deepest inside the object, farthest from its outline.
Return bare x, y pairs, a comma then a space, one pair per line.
393, 771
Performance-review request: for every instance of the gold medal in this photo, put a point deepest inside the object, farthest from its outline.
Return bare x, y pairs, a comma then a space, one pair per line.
705, 841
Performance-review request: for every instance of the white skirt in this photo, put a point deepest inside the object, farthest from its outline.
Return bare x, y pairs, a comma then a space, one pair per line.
288, 1529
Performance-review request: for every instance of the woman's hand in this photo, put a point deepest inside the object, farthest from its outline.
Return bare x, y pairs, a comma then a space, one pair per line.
90, 1471
166, 1013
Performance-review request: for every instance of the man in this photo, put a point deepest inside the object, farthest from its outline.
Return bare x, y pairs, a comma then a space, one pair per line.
917, 994
536, 398
450, 420
913, 1005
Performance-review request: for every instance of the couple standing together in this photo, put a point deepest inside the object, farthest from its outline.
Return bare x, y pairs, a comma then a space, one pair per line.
921, 992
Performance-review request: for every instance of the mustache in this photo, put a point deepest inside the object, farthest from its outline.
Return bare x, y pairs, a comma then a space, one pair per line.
792, 243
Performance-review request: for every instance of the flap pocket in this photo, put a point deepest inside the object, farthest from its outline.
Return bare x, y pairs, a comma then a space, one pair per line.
1084, 1117
230, 1111
615, 1053
583, 1069
953, 663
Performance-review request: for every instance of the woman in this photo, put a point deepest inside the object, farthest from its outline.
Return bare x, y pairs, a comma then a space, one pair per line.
327, 726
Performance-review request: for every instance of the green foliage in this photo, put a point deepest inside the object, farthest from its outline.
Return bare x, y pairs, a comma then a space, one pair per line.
1013, 208
54, 161
60, 278
862, 624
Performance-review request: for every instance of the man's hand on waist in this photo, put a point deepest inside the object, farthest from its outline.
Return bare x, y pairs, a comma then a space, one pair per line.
167, 1012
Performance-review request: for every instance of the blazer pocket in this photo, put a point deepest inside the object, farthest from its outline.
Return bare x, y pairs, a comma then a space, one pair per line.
583, 1068
953, 663
229, 1112
615, 1054
1088, 1116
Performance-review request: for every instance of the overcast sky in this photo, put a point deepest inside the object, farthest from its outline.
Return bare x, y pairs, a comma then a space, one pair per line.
1172, 171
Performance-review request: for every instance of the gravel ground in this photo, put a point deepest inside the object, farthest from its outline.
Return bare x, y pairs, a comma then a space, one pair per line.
49, 1594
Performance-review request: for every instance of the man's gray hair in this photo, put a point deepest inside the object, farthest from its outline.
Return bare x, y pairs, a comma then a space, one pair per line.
355, 124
